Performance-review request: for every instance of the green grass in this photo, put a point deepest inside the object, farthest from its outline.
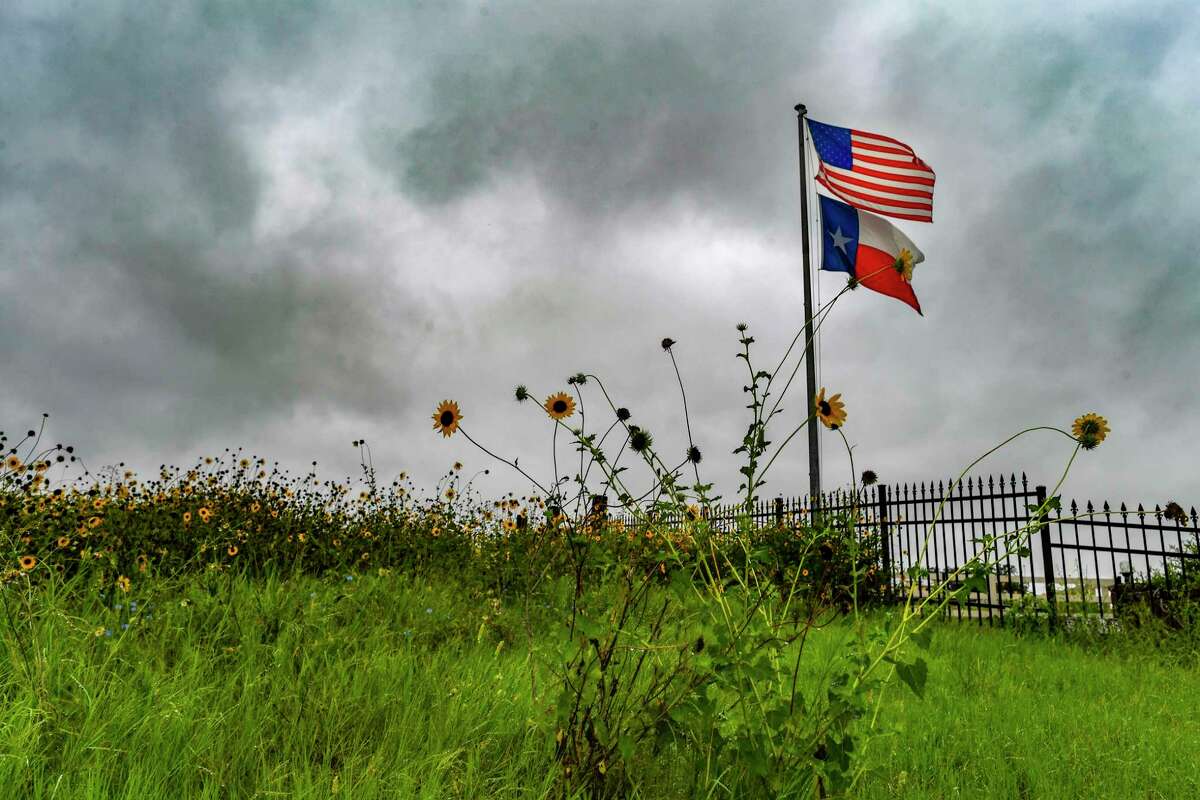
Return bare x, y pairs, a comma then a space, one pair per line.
382, 687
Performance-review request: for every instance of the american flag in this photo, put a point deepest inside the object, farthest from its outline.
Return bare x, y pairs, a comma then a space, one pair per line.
873, 172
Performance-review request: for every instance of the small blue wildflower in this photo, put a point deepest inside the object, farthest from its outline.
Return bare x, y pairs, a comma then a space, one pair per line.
429, 611
108, 631
124, 626
408, 633
133, 605
312, 594
117, 607
349, 577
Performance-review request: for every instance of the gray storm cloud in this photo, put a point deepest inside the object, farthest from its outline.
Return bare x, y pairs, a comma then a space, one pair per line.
287, 226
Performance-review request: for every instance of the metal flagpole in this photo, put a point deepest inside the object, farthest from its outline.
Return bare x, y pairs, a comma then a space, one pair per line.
814, 458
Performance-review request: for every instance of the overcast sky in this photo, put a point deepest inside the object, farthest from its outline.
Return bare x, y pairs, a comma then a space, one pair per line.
289, 225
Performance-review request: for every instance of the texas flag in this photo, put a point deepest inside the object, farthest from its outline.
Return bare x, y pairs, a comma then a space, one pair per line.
875, 253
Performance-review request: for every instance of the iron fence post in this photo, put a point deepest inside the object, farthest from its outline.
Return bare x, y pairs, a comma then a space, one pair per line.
885, 539
1047, 561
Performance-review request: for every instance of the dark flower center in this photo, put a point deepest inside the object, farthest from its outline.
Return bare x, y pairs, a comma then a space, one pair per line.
1090, 427
560, 406
447, 418
826, 409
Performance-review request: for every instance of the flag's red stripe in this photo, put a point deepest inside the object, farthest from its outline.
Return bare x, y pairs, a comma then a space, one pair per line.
876, 148
916, 180
879, 137
877, 208
890, 182
842, 177
884, 201
888, 162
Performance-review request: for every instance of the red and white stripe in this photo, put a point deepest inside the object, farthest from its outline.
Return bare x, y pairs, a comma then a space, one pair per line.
887, 178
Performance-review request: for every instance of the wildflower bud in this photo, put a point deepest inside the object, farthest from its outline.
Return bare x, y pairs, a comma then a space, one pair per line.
693, 454
667, 344
869, 477
640, 440
521, 393
623, 414
741, 327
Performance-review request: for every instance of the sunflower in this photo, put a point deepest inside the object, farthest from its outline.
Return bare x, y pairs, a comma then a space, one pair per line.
450, 494
94, 522
244, 463
1090, 429
13, 463
187, 517
1175, 512
28, 562
123, 584
64, 541
447, 417
831, 412
559, 406
204, 513
232, 550
904, 264
692, 512
143, 561
254, 507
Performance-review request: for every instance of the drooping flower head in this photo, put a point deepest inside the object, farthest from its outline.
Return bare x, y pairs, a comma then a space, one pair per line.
904, 264
831, 412
1090, 430
639, 440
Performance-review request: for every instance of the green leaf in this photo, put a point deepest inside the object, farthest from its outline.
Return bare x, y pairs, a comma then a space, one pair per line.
625, 745
914, 675
922, 637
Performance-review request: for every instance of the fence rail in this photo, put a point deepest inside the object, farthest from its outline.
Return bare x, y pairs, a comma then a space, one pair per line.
1109, 552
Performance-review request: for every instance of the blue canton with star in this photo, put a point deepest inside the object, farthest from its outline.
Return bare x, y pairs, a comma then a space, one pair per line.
839, 235
832, 144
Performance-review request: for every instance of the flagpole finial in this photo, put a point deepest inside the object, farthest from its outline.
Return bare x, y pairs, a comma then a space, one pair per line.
801, 109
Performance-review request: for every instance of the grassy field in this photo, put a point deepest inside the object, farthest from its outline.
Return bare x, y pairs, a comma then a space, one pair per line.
379, 686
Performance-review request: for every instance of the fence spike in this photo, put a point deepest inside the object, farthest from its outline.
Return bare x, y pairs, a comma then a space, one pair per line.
1194, 519
991, 483
1157, 513
1075, 507
1124, 511
1141, 513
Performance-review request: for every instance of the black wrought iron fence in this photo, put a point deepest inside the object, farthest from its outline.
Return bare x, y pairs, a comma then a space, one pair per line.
1084, 561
